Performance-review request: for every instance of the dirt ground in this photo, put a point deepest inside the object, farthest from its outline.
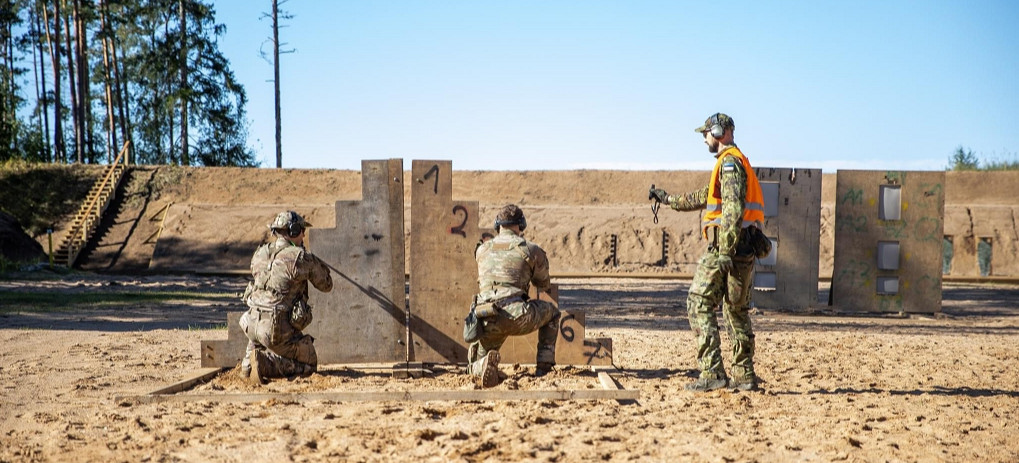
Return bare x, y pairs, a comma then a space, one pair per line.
836, 388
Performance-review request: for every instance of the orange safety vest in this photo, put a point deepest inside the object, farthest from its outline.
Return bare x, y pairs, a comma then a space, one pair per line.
753, 206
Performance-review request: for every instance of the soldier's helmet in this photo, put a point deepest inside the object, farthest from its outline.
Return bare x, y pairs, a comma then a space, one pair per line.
290, 221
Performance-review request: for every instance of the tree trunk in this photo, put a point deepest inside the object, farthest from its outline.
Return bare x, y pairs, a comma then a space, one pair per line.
122, 99
84, 89
169, 111
44, 113
73, 86
106, 39
54, 42
184, 94
8, 107
276, 80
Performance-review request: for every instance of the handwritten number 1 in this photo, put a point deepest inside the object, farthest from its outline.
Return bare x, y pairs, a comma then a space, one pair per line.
435, 170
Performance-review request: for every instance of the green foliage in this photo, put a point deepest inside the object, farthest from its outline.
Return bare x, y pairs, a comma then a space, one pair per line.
1004, 162
964, 159
216, 116
7, 265
154, 44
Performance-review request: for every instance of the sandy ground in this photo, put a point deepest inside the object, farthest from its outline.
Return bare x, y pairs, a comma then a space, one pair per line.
836, 388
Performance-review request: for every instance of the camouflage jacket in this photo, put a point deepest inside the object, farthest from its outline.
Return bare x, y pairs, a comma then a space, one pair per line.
734, 193
508, 265
282, 271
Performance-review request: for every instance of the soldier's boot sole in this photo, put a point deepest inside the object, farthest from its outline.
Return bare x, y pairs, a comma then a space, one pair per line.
490, 369
256, 361
745, 385
707, 384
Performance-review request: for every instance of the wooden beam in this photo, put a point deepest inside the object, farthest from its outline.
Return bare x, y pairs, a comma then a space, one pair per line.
607, 381
386, 396
197, 377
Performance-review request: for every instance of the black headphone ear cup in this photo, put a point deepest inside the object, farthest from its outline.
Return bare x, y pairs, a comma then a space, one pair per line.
523, 223
717, 131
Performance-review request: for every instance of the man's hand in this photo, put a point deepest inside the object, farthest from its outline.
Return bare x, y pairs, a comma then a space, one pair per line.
725, 263
658, 194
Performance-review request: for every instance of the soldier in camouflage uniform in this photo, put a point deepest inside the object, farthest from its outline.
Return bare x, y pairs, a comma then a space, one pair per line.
277, 302
733, 202
507, 266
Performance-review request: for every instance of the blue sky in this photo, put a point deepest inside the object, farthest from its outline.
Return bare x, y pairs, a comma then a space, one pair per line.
551, 85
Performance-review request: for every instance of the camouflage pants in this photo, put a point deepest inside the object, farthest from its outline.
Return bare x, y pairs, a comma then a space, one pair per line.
710, 287
289, 351
518, 319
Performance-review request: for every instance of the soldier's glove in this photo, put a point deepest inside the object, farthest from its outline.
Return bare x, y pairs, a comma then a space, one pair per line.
658, 194
725, 263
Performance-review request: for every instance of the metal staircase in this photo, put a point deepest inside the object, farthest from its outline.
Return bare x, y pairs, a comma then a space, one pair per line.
91, 212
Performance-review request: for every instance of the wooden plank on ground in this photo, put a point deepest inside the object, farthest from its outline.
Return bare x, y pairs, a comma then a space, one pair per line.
607, 381
200, 376
388, 396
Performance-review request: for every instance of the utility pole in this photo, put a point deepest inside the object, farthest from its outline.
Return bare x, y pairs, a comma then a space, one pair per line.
276, 80
275, 16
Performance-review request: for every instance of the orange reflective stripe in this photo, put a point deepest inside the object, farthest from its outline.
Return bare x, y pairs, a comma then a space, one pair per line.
753, 206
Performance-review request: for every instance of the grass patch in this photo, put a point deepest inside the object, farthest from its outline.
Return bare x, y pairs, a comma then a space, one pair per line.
39, 195
52, 302
217, 326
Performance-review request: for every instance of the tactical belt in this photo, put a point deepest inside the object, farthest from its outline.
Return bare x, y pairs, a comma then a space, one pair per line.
489, 309
507, 301
258, 308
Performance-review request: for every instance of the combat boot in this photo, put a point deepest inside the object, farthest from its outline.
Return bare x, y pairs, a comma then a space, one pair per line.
707, 384
245, 363
257, 361
543, 368
246, 366
486, 369
744, 384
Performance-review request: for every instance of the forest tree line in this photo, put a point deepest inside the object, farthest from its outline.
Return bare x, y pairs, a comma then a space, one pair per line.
82, 78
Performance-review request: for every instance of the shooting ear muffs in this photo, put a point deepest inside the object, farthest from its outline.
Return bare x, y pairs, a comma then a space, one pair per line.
717, 130
522, 223
295, 228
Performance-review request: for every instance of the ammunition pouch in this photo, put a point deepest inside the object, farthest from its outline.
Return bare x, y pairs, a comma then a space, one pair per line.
486, 310
473, 329
759, 242
300, 315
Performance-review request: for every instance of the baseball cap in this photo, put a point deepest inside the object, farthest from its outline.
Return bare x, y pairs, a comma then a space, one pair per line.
721, 119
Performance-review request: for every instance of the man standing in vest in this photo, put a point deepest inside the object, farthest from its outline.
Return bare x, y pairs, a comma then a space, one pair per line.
507, 266
277, 302
733, 202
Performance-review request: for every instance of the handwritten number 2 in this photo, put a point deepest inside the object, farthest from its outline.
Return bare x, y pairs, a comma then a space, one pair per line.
459, 229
